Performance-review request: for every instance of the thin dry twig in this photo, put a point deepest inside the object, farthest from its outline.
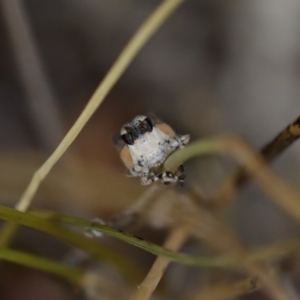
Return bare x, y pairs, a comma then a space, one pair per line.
226, 291
222, 239
219, 237
231, 185
282, 193
271, 283
174, 241
144, 33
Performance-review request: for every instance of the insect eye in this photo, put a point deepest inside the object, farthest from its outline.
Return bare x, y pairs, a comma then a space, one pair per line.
128, 138
146, 125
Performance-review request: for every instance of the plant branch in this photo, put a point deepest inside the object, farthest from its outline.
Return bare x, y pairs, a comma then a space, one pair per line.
278, 251
284, 195
174, 241
91, 246
274, 148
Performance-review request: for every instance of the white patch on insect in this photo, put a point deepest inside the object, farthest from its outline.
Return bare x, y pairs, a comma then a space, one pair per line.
149, 145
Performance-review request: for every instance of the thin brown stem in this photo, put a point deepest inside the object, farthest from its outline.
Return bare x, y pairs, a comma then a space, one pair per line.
274, 148
282, 193
219, 237
175, 240
226, 291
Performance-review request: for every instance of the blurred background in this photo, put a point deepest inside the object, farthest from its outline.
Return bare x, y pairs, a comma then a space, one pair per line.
214, 67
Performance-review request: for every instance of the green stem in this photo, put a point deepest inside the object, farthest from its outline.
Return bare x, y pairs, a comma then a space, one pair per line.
198, 148
42, 264
260, 254
91, 246
51, 226
146, 245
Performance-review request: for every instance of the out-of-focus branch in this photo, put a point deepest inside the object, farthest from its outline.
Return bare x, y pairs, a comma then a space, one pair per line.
280, 192
175, 240
231, 185
219, 237
226, 291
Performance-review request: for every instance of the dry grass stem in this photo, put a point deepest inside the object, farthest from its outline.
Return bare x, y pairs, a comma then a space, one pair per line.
279, 191
284, 195
226, 291
271, 283
174, 241
144, 33
231, 185
220, 238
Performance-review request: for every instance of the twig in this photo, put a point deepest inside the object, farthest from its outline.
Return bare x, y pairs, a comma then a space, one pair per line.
284, 195
175, 240
231, 185
217, 236
144, 33
228, 291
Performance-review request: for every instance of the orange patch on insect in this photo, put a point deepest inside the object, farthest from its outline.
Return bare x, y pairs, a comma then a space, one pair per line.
165, 128
126, 157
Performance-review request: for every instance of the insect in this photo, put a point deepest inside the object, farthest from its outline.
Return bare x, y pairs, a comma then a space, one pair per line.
145, 143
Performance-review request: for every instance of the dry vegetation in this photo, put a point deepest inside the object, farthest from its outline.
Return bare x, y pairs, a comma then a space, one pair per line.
205, 253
